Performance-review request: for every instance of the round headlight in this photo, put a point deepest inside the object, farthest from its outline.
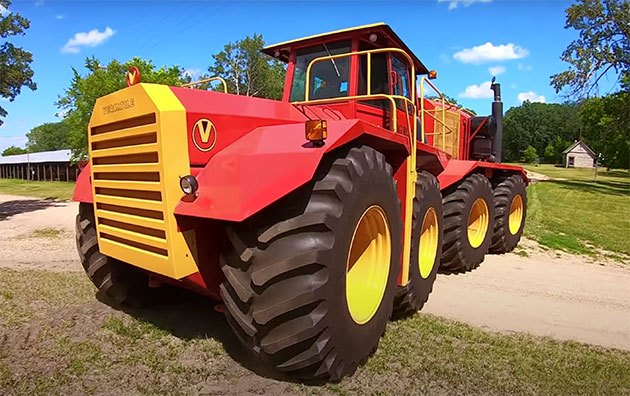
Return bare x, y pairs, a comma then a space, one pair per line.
188, 184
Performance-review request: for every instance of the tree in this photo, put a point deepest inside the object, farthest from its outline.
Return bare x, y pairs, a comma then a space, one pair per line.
530, 155
550, 154
606, 128
603, 45
79, 98
15, 69
13, 150
48, 137
248, 71
538, 125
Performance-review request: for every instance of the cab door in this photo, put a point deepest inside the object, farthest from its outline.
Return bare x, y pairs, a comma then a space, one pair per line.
400, 85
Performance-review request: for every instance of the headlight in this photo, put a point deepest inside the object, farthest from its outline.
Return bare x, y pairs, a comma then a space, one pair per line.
188, 184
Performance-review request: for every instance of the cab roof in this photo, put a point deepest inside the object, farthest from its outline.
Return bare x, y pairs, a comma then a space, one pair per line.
387, 38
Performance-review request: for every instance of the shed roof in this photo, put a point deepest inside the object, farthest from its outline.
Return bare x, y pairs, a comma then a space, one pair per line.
35, 158
577, 143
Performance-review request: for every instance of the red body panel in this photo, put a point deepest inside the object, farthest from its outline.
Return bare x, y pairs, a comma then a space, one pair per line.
83, 187
265, 165
456, 170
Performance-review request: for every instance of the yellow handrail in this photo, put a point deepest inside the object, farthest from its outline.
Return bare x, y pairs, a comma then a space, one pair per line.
443, 108
207, 80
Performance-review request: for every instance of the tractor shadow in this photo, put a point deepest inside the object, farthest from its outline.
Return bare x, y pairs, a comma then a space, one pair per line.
600, 186
189, 316
12, 208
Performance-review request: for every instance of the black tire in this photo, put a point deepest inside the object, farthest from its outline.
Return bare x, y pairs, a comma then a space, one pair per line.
285, 271
458, 255
117, 283
412, 297
503, 239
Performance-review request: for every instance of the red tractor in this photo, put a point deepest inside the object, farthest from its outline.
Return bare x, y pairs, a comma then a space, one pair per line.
313, 219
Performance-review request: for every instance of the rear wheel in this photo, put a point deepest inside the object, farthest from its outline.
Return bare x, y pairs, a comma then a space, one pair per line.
510, 203
468, 224
117, 283
426, 247
310, 281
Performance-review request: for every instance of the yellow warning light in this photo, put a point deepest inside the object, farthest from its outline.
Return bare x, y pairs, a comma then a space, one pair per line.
316, 131
432, 74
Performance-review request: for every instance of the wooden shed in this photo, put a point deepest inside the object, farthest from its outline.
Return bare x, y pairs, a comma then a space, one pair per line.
47, 165
579, 155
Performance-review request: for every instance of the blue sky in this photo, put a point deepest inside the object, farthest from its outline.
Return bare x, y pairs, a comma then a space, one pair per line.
521, 41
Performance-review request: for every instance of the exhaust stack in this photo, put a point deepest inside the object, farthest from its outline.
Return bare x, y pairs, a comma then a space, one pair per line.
497, 115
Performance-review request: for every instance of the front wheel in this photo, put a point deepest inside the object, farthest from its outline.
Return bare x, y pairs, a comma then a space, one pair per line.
117, 283
310, 281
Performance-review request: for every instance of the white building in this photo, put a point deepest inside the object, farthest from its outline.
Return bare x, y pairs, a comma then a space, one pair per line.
579, 155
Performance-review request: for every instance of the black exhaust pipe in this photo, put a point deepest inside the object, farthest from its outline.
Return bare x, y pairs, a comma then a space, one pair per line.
497, 115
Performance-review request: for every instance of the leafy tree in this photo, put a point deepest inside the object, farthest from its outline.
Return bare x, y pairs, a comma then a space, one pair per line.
603, 45
248, 71
606, 128
530, 155
15, 69
13, 150
550, 154
79, 98
538, 125
48, 137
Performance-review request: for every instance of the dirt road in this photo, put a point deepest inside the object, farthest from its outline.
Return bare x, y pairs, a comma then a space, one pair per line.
549, 294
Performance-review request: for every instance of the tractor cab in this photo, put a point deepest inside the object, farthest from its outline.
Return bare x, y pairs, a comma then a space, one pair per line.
365, 72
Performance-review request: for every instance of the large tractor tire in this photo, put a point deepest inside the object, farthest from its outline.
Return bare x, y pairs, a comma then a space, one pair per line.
117, 283
510, 208
310, 281
426, 247
468, 224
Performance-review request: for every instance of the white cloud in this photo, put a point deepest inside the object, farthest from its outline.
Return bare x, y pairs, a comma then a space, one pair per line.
490, 53
523, 67
481, 91
87, 39
530, 96
60, 16
496, 70
4, 11
39, 3
193, 73
453, 4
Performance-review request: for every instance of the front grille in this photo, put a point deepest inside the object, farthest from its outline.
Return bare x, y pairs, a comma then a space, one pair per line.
128, 188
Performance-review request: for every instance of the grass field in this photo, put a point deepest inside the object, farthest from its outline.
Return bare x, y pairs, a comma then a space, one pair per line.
576, 213
38, 189
55, 338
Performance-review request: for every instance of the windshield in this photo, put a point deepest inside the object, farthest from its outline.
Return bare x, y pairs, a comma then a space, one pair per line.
329, 79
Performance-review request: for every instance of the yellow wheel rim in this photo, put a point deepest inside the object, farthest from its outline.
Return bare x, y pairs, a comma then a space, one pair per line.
516, 214
478, 220
427, 249
368, 264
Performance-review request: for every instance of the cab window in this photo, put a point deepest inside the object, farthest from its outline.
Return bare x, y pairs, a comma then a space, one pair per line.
401, 84
329, 78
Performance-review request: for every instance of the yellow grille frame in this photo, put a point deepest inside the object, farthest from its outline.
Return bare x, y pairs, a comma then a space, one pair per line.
138, 151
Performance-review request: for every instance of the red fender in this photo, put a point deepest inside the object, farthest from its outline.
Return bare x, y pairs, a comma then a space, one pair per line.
456, 170
265, 165
83, 187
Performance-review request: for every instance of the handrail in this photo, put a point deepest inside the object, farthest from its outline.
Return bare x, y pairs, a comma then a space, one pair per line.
442, 122
207, 80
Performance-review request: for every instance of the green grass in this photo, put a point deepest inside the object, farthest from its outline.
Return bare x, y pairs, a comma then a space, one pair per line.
577, 214
38, 189
67, 343
49, 233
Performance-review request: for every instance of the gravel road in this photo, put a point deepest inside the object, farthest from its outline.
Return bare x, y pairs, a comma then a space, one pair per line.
556, 295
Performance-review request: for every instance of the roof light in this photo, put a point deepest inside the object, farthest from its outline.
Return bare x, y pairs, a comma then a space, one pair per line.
316, 132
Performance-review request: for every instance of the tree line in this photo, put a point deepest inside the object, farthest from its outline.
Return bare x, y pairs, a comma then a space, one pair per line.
532, 130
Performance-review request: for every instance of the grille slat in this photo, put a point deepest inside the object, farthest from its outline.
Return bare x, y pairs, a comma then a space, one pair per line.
128, 185
125, 168
122, 133
127, 218
130, 202
126, 150
149, 240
